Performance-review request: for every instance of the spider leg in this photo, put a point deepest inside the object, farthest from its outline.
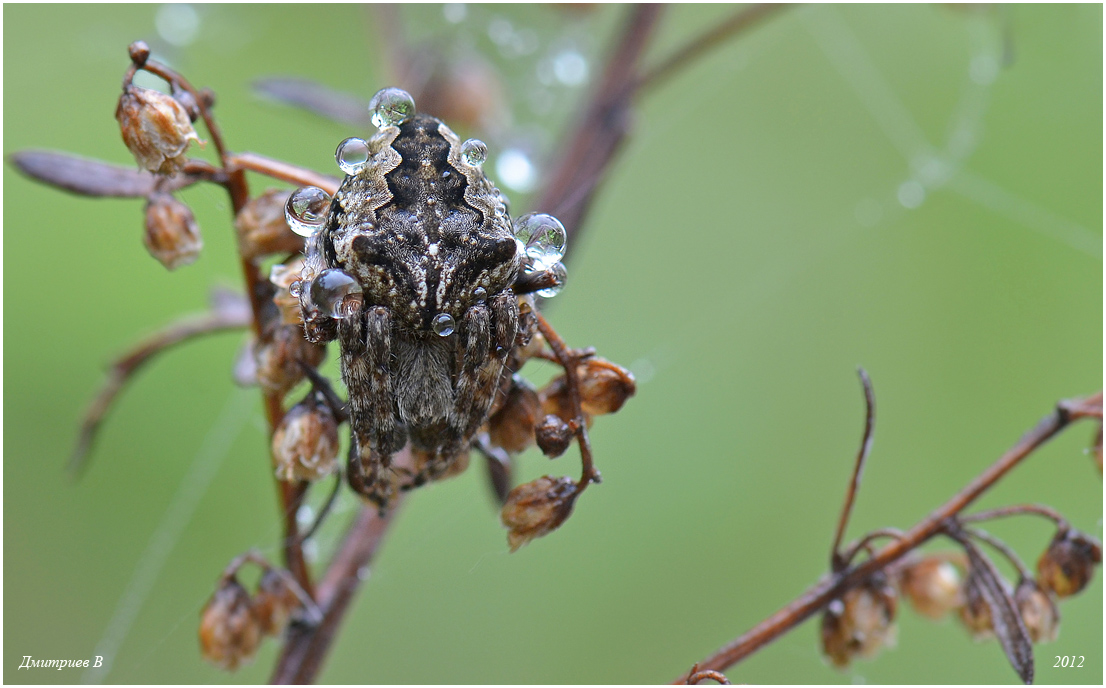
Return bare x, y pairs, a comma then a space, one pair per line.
377, 433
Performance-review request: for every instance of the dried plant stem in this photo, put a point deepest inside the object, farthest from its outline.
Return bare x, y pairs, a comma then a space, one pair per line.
820, 595
837, 560
1003, 549
1018, 510
285, 172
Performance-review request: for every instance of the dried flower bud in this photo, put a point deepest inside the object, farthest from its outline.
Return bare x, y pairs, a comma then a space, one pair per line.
283, 275
1068, 564
139, 52
1096, 448
933, 585
512, 427
536, 508
1038, 612
860, 622
554, 436
274, 602
305, 443
229, 631
278, 360
262, 228
604, 386
976, 613
172, 235
155, 128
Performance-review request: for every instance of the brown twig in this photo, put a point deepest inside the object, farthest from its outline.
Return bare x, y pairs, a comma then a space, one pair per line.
285, 172
1018, 510
305, 647
740, 21
696, 676
837, 561
123, 369
819, 595
569, 360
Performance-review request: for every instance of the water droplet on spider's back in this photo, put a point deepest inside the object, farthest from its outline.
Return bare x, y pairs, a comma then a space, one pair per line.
474, 152
443, 324
336, 293
543, 239
352, 155
391, 107
306, 210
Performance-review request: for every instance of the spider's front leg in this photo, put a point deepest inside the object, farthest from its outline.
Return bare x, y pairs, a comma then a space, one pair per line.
488, 335
366, 341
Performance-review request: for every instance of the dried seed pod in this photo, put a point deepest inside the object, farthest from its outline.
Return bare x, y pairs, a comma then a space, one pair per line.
860, 622
155, 128
537, 508
172, 235
229, 631
305, 443
1068, 564
263, 229
512, 427
975, 614
278, 360
1038, 612
554, 436
933, 585
604, 386
274, 602
283, 276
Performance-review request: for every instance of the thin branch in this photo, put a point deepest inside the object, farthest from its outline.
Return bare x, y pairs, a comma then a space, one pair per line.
866, 543
740, 21
1003, 549
305, 647
123, 369
96, 178
837, 561
1018, 510
284, 171
696, 676
819, 595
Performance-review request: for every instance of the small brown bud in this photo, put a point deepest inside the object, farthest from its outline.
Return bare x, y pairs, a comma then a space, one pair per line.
976, 613
278, 360
1038, 612
139, 52
537, 508
554, 436
156, 129
305, 443
229, 631
933, 585
262, 228
604, 386
283, 276
1068, 564
859, 623
274, 602
172, 235
512, 427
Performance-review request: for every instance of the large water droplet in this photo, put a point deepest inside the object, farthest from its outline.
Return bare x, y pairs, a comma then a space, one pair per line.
474, 152
543, 239
306, 210
336, 293
443, 324
391, 107
352, 155
560, 275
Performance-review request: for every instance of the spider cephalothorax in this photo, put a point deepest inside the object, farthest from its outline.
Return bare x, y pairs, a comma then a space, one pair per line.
417, 272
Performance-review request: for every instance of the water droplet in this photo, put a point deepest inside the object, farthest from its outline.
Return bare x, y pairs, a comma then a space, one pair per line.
391, 107
306, 210
474, 152
560, 275
514, 169
480, 294
443, 324
337, 293
295, 289
305, 516
911, 194
543, 239
363, 573
455, 12
352, 155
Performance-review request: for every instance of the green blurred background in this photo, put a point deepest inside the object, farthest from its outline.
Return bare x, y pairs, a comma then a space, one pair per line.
914, 189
